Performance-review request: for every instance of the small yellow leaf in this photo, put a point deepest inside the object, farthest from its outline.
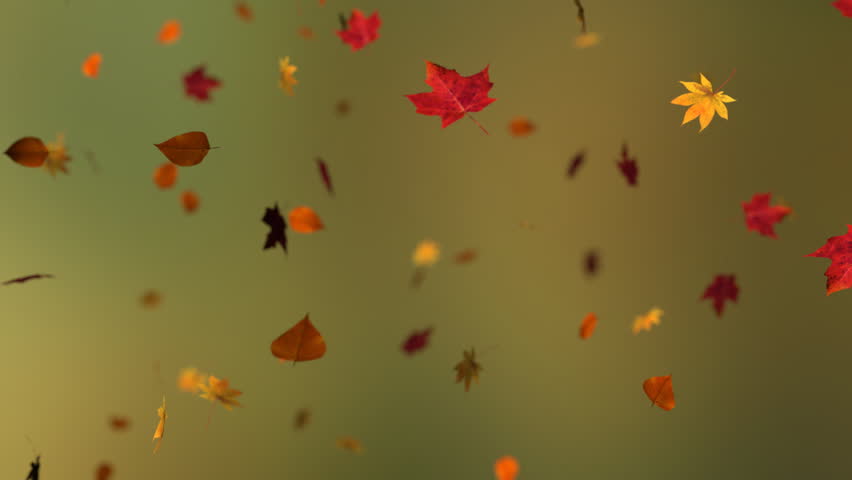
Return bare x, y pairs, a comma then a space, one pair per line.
161, 426
426, 253
645, 322
703, 102
287, 81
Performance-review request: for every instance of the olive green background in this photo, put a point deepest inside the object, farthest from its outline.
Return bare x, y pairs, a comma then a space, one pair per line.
763, 392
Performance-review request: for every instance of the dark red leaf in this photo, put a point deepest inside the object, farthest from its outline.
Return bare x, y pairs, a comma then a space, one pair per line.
277, 228
628, 167
197, 84
724, 287
452, 95
418, 340
326, 177
576, 163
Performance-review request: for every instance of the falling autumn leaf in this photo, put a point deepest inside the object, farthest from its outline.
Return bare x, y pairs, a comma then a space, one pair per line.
844, 6
703, 102
165, 175
342, 107
27, 278
760, 217
277, 228
28, 152
287, 82
587, 39
325, 175
197, 84
839, 250
301, 343
591, 263
724, 287
119, 423
92, 65
190, 379
244, 11
426, 253
465, 256
417, 341
302, 419
360, 31
468, 369
57, 156
218, 390
350, 444
151, 299
186, 149
306, 32
659, 391
161, 426
453, 96
169, 33
506, 468
34, 468
576, 163
190, 201
628, 167
587, 328
103, 472
645, 322
305, 220
521, 126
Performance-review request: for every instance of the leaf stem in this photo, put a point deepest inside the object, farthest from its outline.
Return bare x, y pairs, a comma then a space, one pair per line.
478, 124
719, 88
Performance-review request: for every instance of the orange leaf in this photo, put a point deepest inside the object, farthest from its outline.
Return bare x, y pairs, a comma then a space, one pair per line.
587, 328
659, 391
28, 152
244, 11
305, 220
190, 201
103, 472
306, 32
506, 468
161, 426
186, 149
521, 126
170, 32
119, 423
351, 444
165, 175
190, 379
300, 343
92, 65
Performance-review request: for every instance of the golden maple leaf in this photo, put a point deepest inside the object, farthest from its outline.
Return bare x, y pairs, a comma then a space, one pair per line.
217, 390
703, 102
161, 426
468, 369
57, 156
645, 322
287, 81
191, 380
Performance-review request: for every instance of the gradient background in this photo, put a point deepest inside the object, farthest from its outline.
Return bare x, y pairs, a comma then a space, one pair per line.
763, 392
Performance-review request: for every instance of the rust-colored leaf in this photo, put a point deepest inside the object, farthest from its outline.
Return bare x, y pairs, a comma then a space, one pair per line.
300, 343
151, 299
587, 328
119, 423
165, 175
506, 468
28, 152
302, 419
465, 256
104, 471
659, 391
186, 149
468, 369
306, 32
305, 220
521, 126
244, 11
92, 65
190, 201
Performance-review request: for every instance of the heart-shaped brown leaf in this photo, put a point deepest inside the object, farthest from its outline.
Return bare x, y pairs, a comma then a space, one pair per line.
186, 149
28, 151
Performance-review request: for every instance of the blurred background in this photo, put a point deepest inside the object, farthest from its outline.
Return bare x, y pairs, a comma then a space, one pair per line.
762, 392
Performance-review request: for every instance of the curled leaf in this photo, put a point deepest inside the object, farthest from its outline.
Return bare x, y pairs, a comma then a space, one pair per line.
161, 426
119, 423
302, 418
151, 299
103, 472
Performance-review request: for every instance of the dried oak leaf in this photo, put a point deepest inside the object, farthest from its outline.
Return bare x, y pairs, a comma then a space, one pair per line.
350, 444
165, 175
301, 343
244, 11
186, 149
190, 201
521, 126
287, 81
628, 167
465, 256
302, 418
453, 96
57, 156
119, 423
103, 472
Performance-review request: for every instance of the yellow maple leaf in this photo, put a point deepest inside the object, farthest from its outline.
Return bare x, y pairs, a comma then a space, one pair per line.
161, 426
217, 391
287, 81
57, 156
190, 379
468, 369
703, 102
426, 253
645, 322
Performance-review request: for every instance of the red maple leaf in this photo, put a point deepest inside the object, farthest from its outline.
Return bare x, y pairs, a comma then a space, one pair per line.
452, 95
198, 85
724, 287
418, 340
628, 167
360, 30
845, 7
839, 250
760, 217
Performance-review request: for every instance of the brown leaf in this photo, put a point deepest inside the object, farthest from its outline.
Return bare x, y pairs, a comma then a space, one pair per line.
659, 391
103, 472
303, 418
300, 343
28, 152
465, 256
587, 328
186, 149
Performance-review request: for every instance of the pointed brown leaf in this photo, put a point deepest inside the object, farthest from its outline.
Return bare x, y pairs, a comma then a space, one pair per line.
300, 343
186, 149
28, 152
